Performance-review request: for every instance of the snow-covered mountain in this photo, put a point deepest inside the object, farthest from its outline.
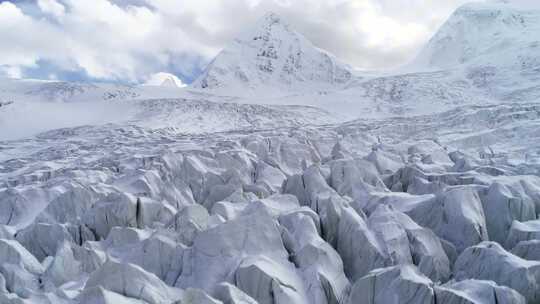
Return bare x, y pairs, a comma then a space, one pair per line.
272, 55
490, 34
22, 90
494, 46
164, 79
485, 53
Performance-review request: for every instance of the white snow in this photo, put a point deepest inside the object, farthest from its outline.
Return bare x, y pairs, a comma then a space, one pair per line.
280, 176
164, 79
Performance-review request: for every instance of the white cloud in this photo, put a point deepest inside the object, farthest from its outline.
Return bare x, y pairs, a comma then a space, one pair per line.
24, 39
129, 39
51, 7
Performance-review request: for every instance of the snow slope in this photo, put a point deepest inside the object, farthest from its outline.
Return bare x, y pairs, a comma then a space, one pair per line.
31, 107
200, 116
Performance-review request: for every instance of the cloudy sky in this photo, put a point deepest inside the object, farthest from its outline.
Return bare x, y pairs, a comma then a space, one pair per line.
128, 40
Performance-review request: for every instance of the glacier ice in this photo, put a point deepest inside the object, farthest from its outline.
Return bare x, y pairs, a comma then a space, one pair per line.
223, 192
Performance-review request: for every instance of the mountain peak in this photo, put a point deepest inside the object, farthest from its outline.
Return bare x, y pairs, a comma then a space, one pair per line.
164, 79
169, 82
477, 31
271, 18
272, 55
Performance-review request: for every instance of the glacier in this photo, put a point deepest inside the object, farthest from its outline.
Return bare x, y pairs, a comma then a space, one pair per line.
283, 175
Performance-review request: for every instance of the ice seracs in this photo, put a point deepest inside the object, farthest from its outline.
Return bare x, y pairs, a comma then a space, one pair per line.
523, 231
458, 207
19, 269
408, 243
398, 284
320, 265
217, 252
229, 293
489, 261
478, 292
270, 282
132, 282
285, 215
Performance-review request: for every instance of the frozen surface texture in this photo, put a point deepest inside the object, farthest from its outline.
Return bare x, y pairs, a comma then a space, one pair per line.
204, 195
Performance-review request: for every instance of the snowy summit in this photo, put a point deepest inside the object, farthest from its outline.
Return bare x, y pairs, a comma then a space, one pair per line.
272, 55
164, 79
